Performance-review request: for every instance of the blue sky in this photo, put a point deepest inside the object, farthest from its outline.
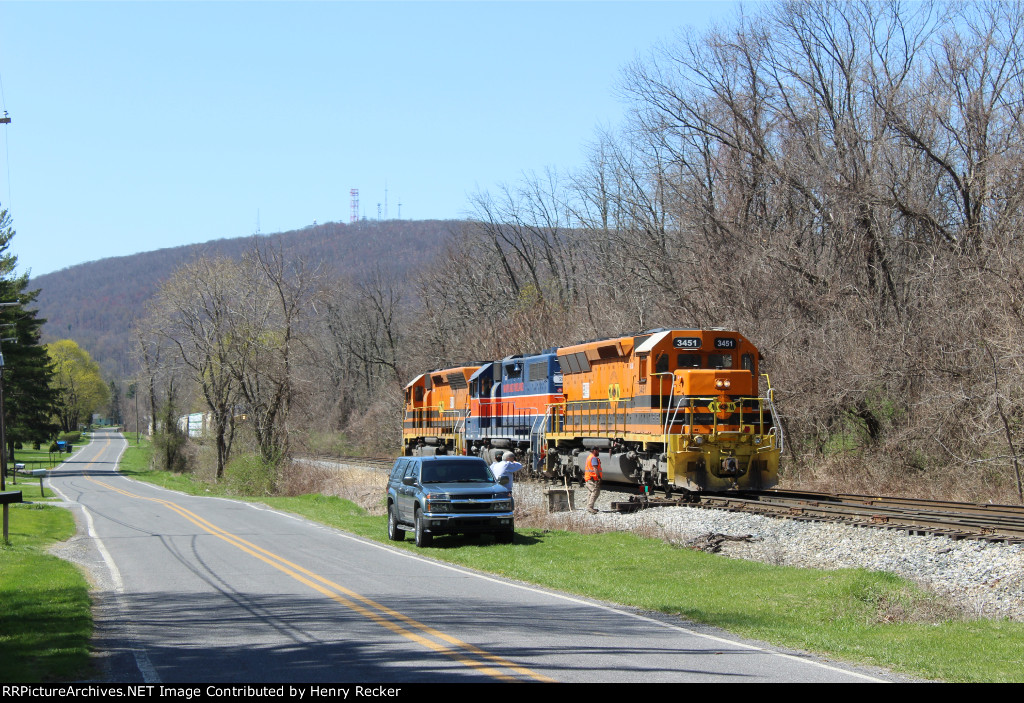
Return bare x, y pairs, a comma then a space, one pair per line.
143, 125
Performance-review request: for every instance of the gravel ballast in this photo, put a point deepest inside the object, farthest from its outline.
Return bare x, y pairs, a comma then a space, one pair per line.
979, 578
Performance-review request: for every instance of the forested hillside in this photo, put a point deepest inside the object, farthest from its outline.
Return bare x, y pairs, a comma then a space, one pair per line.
838, 181
96, 303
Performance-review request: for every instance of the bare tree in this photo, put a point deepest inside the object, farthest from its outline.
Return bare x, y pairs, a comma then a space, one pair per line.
271, 306
193, 312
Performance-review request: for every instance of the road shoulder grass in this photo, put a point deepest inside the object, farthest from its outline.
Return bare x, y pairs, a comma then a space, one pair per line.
865, 617
46, 617
45, 620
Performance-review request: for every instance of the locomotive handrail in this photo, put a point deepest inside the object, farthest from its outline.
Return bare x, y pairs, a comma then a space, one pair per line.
738, 406
460, 432
549, 410
671, 394
517, 410
538, 436
452, 425
617, 413
776, 423
561, 413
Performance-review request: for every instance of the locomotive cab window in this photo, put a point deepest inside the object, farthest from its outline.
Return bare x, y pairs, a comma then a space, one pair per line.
747, 362
688, 361
417, 394
513, 371
720, 361
661, 364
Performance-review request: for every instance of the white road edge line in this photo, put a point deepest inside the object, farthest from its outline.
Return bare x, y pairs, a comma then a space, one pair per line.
142, 660
608, 608
555, 594
532, 589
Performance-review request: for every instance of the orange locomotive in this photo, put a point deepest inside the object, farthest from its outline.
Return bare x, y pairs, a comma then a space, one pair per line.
674, 410
436, 408
670, 409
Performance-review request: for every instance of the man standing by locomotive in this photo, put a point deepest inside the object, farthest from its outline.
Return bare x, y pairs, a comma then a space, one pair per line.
592, 477
506, 467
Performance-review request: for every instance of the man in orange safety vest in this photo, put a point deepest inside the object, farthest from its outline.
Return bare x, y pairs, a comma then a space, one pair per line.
592, 477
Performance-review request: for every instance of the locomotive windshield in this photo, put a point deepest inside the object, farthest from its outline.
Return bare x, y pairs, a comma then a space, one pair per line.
688, 361
720, 361
694, 361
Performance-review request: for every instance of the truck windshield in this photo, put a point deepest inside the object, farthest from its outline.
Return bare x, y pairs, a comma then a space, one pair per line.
455, 472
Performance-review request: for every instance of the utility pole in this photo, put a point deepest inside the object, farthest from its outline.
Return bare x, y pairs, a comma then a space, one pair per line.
3, 433
13, 496
5, 496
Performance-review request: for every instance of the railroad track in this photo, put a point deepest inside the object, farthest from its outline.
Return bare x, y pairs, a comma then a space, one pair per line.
363, 462
988, 522
992, 523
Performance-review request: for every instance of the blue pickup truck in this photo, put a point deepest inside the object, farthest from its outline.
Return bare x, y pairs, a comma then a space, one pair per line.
447, 495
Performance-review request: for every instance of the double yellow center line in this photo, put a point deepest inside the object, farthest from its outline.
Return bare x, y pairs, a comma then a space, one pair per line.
481, 660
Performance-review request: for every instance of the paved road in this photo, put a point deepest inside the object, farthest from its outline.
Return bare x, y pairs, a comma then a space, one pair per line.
215, 590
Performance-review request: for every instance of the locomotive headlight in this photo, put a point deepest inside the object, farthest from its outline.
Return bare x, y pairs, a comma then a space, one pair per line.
698, 440
722, 383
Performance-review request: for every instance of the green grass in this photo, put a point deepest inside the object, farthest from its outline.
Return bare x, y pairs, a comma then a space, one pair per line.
37, 458
853, 614
45, 618
839, 613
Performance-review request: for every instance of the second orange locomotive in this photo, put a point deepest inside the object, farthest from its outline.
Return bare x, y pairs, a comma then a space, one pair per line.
674, 410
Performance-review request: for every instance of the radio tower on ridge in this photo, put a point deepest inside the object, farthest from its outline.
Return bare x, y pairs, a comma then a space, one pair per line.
354, 217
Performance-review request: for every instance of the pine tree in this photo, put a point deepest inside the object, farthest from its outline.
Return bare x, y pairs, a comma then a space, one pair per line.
29, 400
114, 410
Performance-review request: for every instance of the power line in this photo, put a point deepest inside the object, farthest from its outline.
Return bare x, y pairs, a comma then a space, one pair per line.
6, 119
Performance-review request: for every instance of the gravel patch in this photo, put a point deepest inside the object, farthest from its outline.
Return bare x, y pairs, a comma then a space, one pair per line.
980, 579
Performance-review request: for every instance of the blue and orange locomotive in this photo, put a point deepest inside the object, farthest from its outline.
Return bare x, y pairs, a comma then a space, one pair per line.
674, 410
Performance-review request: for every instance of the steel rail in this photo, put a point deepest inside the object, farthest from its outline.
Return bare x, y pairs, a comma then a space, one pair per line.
946, 518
